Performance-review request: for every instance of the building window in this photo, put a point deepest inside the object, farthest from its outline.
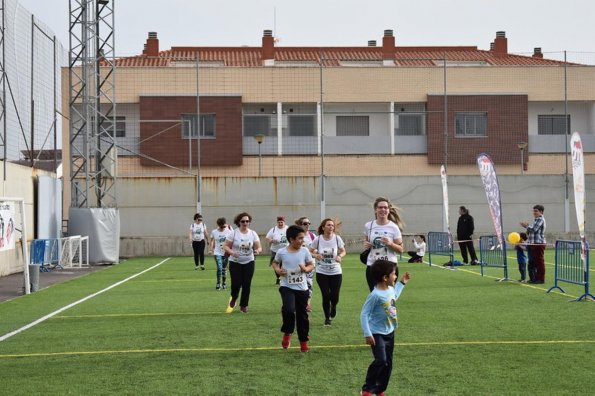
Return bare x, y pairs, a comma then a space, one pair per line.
302, 125
552, 124
190, 126
471, 124
257, 124
353, 126
120, 130
410, 125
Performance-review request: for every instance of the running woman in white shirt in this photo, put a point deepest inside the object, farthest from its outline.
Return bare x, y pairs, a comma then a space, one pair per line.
309, 236
218, 236
383, 236
328, 249
277, 239
292, 263
198, 238
241, 245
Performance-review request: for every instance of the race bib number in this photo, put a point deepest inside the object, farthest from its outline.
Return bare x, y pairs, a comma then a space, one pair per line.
294, 278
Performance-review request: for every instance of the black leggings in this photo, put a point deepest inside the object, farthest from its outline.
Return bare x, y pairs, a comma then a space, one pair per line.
199, 252
241, 278
330, 286
371, 281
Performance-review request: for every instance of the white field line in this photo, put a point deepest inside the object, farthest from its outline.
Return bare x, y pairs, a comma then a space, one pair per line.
56, 312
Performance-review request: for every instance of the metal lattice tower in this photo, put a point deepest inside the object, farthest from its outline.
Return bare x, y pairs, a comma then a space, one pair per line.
3, 135
93, 155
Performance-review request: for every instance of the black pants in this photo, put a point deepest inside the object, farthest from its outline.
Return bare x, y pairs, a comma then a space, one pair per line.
241, 278
199, 252
467, 245
273, 254
330, 286
294, 312
371, 281
415, 258
380, 369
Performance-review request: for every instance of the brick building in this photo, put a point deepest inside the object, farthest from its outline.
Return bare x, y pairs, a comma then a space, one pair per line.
382, 102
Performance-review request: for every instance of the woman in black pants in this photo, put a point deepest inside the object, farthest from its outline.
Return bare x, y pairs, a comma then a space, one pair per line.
328, 249
198, 237
242, 245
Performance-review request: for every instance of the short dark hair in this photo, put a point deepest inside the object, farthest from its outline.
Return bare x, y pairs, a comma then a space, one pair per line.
540, 208
293, 231
197, 216
221, 221
523, 236
381, 268
238, 217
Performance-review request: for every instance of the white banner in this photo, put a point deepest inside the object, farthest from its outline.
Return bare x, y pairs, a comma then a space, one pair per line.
490, 183
578, 177
7, 231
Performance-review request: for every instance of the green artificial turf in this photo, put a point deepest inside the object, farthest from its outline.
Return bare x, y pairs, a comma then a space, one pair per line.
166, 332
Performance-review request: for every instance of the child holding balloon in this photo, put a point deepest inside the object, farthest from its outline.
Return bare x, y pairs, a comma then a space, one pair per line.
521, 247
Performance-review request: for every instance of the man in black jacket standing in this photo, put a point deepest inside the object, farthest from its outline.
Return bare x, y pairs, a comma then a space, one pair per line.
465, 230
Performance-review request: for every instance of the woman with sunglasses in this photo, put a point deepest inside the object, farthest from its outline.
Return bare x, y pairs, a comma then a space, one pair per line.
199, 239
241, 245
383, 236
309, 236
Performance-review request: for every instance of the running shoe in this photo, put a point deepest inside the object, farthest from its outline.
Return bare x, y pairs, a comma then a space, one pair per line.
286, 341
231, 305
304, 346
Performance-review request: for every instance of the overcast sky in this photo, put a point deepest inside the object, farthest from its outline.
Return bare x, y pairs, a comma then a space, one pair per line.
552, 25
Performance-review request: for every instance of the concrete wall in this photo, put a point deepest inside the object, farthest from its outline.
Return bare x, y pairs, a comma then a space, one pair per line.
20, 183
157, 212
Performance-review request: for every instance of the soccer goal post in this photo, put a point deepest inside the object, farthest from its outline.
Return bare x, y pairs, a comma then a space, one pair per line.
13, 227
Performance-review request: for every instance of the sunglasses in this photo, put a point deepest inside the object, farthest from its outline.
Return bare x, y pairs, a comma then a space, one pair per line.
244, 221
304, 223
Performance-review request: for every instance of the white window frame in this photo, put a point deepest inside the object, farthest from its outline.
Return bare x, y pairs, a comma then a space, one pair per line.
190, 120
470, 125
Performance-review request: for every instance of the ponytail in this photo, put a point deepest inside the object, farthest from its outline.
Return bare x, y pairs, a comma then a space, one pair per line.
395, 216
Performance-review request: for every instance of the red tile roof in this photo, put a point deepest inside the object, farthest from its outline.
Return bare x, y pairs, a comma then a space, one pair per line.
333, 56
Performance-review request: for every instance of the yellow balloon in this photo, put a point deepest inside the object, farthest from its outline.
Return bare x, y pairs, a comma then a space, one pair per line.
514, 237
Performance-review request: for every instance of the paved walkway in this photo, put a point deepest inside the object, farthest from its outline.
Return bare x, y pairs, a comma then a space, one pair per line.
12, 286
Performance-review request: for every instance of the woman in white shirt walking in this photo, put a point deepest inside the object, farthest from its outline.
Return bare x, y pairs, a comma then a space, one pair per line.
199, 239
218, 237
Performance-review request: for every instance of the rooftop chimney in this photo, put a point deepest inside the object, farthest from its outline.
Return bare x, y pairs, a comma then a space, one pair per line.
268, 46
371, 43
491, 46
537, 52
152, 46
388, 48
501, 43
